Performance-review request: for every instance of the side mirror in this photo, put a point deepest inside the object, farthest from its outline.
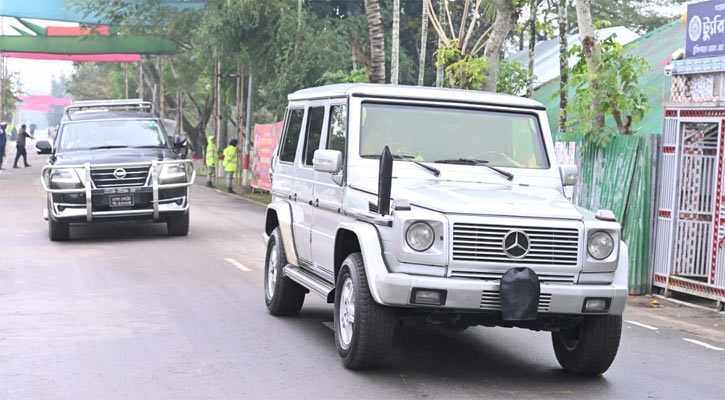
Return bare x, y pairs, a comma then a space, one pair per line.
327, 161
179, 141
44, 147
569, 174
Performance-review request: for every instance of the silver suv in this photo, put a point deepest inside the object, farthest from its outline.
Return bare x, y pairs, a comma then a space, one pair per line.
423, 206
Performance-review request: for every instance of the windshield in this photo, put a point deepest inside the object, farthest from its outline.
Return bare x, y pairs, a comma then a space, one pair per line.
88, 135
430, 134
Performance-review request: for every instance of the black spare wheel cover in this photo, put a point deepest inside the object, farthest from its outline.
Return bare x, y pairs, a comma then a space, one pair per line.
519, 293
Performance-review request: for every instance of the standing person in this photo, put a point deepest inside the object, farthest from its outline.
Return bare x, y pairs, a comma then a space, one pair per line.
212, 157
3, 141
230, 163
20, 144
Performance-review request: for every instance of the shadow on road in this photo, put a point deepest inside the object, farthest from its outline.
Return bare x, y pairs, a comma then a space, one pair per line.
117, 231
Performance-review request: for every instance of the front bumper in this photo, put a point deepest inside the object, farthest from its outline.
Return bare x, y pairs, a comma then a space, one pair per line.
395, 289
95, 207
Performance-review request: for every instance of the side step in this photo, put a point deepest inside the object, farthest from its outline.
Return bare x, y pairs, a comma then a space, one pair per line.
310, 282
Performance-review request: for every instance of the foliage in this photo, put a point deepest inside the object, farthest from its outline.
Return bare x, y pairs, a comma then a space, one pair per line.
340, 76
620, 95
463, 71
58, 89
512, 77
12, 90
641, 16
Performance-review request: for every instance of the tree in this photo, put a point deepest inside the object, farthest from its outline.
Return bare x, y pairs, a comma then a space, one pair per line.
376, 31
588, 38
532, 46
500, 30
423, 45
395, 53
563, 63
58, 87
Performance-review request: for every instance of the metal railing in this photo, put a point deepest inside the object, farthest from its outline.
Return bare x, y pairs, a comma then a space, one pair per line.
87, 182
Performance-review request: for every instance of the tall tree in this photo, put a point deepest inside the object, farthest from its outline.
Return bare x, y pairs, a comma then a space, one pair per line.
376, 31
439, 68
500, 30
423, 45
589, 48
532, 46
395, 54
563, 64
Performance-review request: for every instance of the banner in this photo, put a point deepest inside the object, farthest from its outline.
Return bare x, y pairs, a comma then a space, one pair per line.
705, 29
266, 137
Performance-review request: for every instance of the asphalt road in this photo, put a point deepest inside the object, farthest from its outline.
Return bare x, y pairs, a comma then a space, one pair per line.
124, 311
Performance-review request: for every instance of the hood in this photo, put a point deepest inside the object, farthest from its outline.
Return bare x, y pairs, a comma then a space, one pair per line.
455, 197
108, 156
210, 140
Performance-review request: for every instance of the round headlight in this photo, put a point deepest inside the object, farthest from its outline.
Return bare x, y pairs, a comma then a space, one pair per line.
420, 236
600, 245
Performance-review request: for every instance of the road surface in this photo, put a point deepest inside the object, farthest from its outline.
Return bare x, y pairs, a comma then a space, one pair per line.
124, 311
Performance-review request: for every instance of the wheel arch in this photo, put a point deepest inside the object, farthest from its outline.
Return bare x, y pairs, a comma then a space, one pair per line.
279, 214
353, 236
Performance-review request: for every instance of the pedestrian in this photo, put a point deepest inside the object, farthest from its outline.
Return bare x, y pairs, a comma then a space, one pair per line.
230, 163
3, 141
212, 157
20, 145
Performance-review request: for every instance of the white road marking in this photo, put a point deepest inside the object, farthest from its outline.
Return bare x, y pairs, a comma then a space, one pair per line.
330, 325
641, 325
703, 344
237, 264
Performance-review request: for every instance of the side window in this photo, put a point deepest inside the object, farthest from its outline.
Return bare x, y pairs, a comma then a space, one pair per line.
315, 118
289, 147
336, 135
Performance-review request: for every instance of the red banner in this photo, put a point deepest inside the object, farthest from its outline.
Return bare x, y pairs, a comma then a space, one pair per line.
266, 137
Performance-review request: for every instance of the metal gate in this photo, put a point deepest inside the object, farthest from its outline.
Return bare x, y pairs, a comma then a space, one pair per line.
690, 236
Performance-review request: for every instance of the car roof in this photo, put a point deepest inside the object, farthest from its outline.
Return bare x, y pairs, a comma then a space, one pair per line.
414, 93
100, 114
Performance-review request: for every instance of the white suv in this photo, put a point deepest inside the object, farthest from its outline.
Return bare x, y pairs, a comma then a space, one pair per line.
413, 205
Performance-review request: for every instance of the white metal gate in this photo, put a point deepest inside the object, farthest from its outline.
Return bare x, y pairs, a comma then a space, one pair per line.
690, 235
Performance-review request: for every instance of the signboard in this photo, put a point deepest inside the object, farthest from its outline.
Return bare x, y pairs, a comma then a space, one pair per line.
705, 29
266, 137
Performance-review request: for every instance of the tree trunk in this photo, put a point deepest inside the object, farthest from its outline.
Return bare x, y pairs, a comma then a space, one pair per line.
439, 69
376, 31
395, 55
589, 47
423, 45
532, 46
563, 64
501, 29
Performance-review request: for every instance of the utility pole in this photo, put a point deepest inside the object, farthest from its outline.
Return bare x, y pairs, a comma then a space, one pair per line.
140, 78
217, 109
240, 111
248, 139
161, 87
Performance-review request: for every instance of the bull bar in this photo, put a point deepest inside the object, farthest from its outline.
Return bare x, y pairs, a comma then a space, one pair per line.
87, 182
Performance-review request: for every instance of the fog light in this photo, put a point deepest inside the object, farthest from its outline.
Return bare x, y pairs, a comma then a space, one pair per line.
428, 297
596, 305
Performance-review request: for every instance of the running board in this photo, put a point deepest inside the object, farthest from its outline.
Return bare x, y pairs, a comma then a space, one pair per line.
310, 282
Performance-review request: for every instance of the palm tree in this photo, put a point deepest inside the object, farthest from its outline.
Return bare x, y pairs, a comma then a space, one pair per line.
376, 32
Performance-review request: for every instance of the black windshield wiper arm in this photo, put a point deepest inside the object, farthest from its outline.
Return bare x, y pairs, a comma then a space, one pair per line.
150, 146
483, 163
108, 147
408, 157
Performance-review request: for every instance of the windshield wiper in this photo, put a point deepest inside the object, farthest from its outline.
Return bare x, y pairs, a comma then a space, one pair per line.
149, 146
108, 147
435, 171
471, 161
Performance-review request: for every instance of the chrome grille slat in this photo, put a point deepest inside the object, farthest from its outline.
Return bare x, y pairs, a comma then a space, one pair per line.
484, 243
491, 300
493, 276
135, 176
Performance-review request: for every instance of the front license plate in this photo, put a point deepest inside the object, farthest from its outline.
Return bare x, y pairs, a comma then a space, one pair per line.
121, 201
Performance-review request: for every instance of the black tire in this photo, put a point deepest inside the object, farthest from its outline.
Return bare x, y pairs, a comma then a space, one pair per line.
178, 226
284, 296
590, 347
58, 231
374, 325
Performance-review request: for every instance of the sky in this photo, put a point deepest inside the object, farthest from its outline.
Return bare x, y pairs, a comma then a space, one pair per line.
35, 75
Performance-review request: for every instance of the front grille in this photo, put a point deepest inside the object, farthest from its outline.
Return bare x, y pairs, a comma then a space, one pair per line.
491, 300
484, 243
105, 178
496, 276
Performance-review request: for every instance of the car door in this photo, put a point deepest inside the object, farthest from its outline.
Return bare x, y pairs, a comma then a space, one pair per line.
329, 193
285, 169
303, 186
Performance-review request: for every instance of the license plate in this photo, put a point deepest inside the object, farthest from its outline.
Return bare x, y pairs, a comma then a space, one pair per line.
121, 201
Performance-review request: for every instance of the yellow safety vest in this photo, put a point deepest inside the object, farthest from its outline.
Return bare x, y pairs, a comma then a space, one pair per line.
211, 153
230, 159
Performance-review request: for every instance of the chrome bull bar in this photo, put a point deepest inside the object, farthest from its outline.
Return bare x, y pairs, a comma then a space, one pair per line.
155, 167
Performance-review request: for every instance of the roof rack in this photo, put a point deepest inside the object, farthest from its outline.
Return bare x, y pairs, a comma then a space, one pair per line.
108, 105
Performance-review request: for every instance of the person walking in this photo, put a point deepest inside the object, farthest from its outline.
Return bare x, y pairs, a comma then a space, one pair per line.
3, 141
230, 163
20, 145
212, 158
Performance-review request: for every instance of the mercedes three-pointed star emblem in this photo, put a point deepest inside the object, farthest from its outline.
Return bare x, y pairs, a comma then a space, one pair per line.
516, 244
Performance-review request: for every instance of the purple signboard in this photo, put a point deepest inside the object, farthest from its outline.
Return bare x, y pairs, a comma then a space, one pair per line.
705, 29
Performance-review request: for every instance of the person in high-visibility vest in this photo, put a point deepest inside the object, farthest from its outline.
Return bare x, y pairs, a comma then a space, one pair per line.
212, 157
230, 163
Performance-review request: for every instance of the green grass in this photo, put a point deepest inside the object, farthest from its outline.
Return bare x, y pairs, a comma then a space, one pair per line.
265, 198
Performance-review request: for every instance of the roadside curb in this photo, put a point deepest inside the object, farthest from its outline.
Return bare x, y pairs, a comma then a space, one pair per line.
686, 304
235, 195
